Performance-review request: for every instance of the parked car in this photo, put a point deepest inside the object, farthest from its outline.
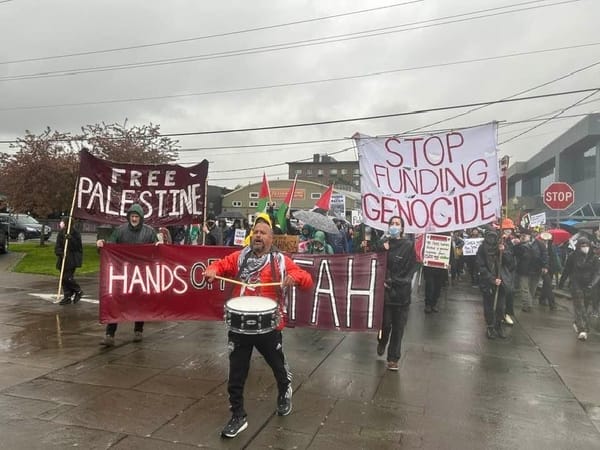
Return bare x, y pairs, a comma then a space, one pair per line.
3, 240
23, 226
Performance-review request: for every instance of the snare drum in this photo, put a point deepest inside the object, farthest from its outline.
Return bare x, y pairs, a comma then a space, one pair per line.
251, 315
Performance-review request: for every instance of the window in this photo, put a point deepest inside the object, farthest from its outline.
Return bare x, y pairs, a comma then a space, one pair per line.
355, 172
344, 171
298, 171
236, 204
252, 204
253, 195
356, 182
333, 172
320, 172
315, 195
309, 172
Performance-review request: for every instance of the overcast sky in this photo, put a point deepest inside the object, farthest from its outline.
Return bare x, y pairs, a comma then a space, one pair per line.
389, 57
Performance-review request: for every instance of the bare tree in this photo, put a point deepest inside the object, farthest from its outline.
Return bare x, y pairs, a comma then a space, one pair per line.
137, 144
40, 176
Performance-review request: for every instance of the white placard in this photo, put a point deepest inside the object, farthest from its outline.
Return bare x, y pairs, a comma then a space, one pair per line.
436, 252
471, 246
537, 219
240, 237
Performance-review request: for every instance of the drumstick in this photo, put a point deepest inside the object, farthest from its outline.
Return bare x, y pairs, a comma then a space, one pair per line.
241, 283
230, 280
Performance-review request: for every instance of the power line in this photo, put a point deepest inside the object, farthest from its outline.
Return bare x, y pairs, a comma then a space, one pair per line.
382, 116
208, 36
553, 116
278, 47
309, 82
358, 119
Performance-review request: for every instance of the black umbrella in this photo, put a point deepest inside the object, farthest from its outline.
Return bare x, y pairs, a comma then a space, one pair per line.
317, 221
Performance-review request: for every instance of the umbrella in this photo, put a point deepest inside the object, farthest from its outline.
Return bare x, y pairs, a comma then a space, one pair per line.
588, 225
317, 221
559, 235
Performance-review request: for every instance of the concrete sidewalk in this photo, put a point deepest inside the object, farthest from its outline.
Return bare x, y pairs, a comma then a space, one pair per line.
455, 389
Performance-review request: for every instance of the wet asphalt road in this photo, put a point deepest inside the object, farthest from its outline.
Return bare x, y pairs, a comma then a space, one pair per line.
538, 389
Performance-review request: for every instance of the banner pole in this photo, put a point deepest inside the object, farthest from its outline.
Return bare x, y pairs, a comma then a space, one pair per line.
62, 266
204, 225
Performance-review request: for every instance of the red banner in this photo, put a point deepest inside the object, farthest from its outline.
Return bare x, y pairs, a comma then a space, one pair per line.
165, 283
170, 194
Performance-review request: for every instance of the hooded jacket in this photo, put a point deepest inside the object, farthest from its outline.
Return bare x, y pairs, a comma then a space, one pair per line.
128, 234
487, 261
582, 269
325, 247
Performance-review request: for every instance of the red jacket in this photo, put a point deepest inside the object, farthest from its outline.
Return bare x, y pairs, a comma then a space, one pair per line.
228, 267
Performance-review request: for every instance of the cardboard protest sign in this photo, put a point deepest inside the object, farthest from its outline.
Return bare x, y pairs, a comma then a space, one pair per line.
471, 246
286, 243
239, 237
436, 252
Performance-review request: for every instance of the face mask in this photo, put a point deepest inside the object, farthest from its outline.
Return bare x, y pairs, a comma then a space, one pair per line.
585, 250
394, 231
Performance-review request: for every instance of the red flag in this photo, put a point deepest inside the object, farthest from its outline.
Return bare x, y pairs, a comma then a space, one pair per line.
324, 202
264, 197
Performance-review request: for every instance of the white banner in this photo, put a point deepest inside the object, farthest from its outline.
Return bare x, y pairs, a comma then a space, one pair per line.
436, 183
471, 246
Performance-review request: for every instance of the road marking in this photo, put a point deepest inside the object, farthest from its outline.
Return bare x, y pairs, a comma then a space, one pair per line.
52, 298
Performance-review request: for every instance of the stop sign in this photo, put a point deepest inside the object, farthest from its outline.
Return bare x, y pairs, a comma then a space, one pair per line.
559, 196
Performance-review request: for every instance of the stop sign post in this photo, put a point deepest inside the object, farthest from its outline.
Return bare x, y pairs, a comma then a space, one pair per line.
559, 196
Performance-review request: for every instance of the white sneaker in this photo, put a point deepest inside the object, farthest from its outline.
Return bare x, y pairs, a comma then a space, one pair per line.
508, 320
582, 336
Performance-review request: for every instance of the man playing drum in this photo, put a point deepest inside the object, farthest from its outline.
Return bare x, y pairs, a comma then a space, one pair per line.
258, 263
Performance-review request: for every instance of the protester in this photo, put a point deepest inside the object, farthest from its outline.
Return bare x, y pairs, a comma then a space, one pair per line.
319, 245
366, 239
456, 262
532, 262
258, 262
230, 233
554, 266
306, 235
212, 232
73, 260
471, 260
132, 232
338, 240
508, 228
163, 236
401, 266
583, 269
496, 264
435, 279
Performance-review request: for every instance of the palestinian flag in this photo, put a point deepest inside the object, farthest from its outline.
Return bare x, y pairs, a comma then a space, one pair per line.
285, 206
265, 195
324, 203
